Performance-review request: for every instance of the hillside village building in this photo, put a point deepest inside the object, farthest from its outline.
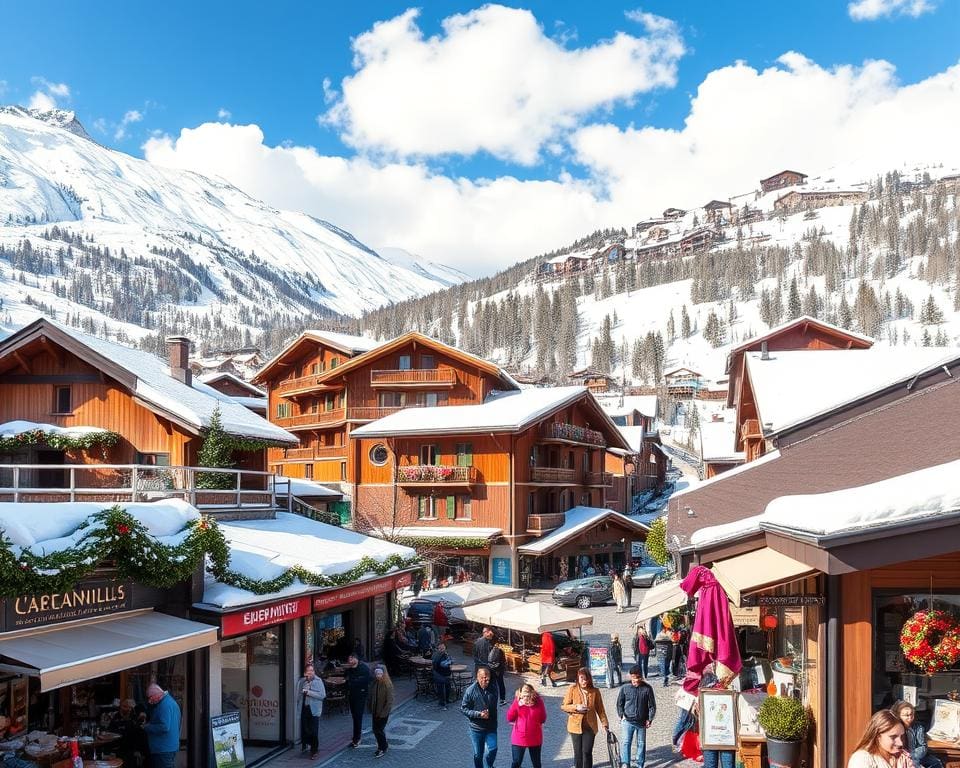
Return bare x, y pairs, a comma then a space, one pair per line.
821, 198
781, 180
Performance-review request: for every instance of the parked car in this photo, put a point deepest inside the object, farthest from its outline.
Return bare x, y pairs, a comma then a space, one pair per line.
420, 612
648, 574
590, 590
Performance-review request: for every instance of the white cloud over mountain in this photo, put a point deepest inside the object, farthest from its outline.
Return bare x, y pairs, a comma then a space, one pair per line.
743, 124
492, 82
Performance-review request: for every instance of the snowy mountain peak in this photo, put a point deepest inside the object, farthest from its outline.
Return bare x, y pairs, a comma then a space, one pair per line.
59, 118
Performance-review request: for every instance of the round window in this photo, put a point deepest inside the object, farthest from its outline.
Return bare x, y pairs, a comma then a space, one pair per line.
379, 454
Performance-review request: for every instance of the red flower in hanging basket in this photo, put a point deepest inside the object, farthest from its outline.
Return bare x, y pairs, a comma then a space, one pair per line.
123, 529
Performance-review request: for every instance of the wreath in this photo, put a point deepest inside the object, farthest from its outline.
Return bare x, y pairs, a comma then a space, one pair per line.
931, 641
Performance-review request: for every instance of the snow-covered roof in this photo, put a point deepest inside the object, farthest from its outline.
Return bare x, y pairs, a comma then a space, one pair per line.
345, 341
748, 467
444, 531
193, 405
793, 387
511, 411
582, 256
264, 549
717, 440
646, 404
210, 378
300, 487
577, 520
18, 427
253, 403
925, 493
802, 320
634, 437
716, 534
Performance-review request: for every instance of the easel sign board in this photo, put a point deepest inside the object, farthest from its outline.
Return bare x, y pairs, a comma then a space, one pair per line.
598, 666
718, 719
945, 725
227, 740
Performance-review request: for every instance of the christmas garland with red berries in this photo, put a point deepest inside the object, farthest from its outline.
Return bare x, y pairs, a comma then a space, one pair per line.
931, 641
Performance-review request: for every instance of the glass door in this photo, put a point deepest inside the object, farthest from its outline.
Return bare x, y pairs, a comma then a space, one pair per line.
252, 684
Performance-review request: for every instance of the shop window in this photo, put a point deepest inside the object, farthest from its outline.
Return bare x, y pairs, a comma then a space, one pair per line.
430, 454
62, 400
379, 455
332, 640
464, 453
404, 363
428, 362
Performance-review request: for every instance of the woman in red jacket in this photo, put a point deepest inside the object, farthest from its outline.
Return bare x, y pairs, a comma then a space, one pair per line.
528, 715
548, 656
440, 621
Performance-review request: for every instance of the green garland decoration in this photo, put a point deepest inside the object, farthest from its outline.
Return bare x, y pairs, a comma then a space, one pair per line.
58, 442
115, 536
447, 542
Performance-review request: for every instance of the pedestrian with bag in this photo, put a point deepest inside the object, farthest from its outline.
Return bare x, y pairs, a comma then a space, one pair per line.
619, 593
479, 705
614, 662
664, 643
358, 685
497, 662
548, 657
311, 692
636, 707
380, 704
528, 714
442, 669
628, 584
584, 705
642, 645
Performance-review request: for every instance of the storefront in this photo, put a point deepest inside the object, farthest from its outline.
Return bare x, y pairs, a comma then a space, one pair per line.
68, 660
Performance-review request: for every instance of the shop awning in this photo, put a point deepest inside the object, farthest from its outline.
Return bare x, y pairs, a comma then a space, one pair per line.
757, 570
72, 654
538, 617
485, 612
468, 593
660, 599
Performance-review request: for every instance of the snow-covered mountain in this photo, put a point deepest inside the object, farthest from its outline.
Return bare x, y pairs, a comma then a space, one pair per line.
95, 234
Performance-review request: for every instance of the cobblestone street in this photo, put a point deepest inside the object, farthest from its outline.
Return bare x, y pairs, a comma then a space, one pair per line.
420, 733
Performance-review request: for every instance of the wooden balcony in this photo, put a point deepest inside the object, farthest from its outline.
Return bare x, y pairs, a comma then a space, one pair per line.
424, 378
598, 478
419, 475
299, 454
312, 420
553, 475
305, 385
372, 413
750, 428
544, 523
557, 432
331, 452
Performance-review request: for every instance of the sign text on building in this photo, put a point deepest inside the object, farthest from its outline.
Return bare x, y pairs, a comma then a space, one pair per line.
253, 619
85, 600
327, 600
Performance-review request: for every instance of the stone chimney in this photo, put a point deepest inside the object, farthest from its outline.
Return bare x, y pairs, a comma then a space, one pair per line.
764, 353
178, 350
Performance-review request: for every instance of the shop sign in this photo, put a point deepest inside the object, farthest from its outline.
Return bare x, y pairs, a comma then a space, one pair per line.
745, 617
783, 601
242, 622
227, 740
86, 600
332, 599
501, 571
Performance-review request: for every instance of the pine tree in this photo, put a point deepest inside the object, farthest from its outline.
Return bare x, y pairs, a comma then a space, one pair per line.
671, 329
684, 322
844, 315
794, 308
215, 452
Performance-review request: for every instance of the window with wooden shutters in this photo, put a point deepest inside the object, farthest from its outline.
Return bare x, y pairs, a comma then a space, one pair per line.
430, 454
284, 410
451, 507
464, 454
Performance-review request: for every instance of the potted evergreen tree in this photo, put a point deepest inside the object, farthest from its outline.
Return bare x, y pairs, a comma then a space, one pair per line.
785, 722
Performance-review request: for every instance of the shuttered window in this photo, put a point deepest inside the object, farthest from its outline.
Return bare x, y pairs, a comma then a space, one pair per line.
451, 507
464, 454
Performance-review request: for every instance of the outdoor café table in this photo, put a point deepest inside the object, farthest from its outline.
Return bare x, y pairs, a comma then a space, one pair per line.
419, 661
458, 668
334, 681
947, 751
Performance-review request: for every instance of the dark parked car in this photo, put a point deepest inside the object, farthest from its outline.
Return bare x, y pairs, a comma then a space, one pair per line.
648, 574
590, 590
420, 612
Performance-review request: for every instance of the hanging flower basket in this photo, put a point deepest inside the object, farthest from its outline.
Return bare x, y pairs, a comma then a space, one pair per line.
931, 641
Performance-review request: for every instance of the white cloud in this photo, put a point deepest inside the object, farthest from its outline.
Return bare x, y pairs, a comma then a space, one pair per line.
42, 101
492, 81
743, 125
224, 114
45, 97
869, 10
129, 117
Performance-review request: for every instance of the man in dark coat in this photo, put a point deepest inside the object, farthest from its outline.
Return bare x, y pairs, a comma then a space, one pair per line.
628, 585
481, 649
480, 707
358, 684
636, 706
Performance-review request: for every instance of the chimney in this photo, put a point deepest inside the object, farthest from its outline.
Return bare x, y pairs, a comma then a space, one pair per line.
178, 350
764, 354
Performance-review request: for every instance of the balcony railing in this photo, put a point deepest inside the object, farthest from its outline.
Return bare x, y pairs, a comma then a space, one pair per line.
552, 475
206, 489
331, 452
298, 453
429, 474
307, 420
598, 478
571, 433
544, 523
750, 428
372, 413
414, 377
304, 384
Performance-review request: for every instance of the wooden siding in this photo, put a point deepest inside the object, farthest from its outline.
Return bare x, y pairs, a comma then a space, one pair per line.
489, 508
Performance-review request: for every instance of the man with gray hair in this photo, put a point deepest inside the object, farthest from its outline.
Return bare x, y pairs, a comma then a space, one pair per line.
162, 727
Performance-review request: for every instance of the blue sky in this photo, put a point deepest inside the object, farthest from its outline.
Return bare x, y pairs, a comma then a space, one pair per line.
176, 66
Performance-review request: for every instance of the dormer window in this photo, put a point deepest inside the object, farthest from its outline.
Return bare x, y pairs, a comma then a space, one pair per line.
404, 363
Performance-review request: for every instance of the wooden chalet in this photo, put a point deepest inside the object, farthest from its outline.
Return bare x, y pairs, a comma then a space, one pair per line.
672, 214
839, 539
683, 382
240, 390
781, 180
950, 184
697, 240
472, 485
594, 380
658, 232
823, 198
718, 211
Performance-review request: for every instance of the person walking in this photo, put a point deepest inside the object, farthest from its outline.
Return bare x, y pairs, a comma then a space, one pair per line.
528, 714
614, 661
358, 685
642, 645
162, 727
619, 593
479, 705
311, 692
664, 643
497, 662
380, 704
481, 649
548, 657
584, 705
628, 584
679, 636
636, 707
442, 669
440, 621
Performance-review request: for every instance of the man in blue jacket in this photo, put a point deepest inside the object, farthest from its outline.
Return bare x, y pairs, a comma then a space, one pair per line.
358, 682
480, 706
163, 727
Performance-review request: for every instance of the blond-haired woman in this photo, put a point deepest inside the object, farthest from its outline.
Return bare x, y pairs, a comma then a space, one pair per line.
881, 745
380, 702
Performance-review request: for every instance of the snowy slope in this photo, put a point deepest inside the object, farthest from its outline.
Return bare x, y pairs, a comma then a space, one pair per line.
244, 253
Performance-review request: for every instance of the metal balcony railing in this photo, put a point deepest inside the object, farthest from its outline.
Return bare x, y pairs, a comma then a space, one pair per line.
571, 433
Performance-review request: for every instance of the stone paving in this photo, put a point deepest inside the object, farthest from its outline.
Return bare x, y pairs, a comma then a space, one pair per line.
421, 734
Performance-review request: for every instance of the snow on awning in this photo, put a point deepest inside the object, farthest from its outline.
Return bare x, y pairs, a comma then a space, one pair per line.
18, 427
578, 520
442, 532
